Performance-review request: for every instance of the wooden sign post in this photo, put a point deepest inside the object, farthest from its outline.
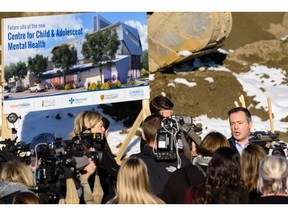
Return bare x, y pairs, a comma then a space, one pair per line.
145, 111
243, 104
270, 115
242, 101
270, 119
6, 131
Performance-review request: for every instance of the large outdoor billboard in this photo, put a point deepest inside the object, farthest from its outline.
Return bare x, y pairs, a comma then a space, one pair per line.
80, 59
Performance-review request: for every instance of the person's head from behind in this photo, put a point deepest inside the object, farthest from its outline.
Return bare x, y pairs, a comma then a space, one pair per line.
240, 121
161, 105
133, 185
230, 194
18, 172
26, 197
88, 122
211, 142
250, 159
273, 175
223, 168
150, 126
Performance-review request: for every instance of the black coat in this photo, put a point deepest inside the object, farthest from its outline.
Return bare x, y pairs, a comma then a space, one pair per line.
180, 181
159, 171
270, 200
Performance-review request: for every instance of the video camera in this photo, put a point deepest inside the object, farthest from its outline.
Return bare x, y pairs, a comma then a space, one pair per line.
169, 137
103, 160
53, 161
270, 142
11, 148
68, 158
50, 163
88, 141
15, 149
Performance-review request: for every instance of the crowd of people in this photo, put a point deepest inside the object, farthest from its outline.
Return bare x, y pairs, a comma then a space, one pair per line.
218, 170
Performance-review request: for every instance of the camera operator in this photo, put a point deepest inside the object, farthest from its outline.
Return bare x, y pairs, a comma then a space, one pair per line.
159, 105
164, 106
90, 132
159, 171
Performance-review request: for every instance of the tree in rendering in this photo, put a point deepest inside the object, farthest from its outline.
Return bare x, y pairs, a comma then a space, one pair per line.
100, 48
37, 65
18, 71
64, 57
8, 72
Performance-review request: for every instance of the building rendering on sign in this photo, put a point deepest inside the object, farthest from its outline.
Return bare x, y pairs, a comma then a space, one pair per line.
38, 79
126, 65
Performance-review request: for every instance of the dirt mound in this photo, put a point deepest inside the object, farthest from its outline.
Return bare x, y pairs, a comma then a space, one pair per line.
249, 27
271, 53
257, 38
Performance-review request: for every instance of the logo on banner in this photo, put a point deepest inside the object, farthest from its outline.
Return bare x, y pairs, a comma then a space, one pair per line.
22, 105
136, 93
48, 103
71, 100
108, 97
77, 100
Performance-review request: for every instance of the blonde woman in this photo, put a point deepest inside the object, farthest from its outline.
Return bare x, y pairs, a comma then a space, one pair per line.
272, 181
133, 185
88, 122
15, 177
89, 132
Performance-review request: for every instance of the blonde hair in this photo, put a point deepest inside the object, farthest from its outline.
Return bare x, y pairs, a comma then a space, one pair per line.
273, 173
84, 121
133, 185
250, 159
16, 171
